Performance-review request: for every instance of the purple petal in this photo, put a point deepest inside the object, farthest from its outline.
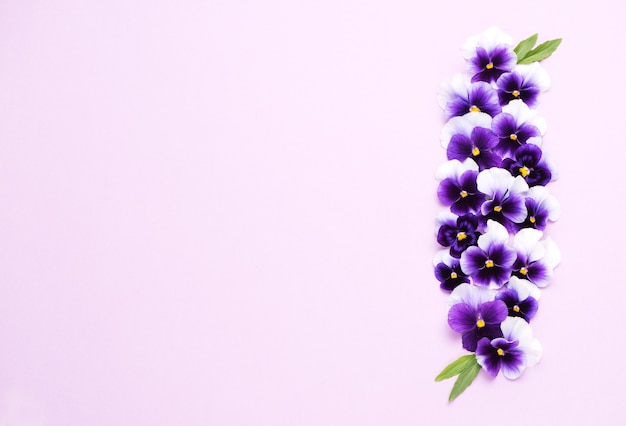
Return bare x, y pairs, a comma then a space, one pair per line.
462, 318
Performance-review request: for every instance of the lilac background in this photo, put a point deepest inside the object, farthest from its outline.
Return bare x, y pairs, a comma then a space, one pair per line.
221, 213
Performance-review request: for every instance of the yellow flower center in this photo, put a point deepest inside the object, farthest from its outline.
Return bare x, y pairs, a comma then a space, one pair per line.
489, 263
523, 270
515, 93
516, 308
513, 137
475, 151
461, 236
453, 275
497, 209
464, 194
474, 108
480, 323
500, 352
532, 219
489, 65
525, 171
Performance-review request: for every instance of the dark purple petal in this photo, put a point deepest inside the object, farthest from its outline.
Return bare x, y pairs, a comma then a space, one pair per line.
537, 217
499, 354
450, 277
489, 65
459, 148
462, 317
525, 309
472, 260
511, 86
493, 312
448, 191
446, 235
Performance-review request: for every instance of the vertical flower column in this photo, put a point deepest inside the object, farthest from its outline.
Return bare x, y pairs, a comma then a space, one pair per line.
494, 258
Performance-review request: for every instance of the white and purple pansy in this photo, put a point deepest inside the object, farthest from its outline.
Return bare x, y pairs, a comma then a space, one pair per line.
511, 353
495, 256
461, 96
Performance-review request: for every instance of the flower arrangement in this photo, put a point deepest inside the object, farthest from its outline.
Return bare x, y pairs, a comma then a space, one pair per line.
495, 257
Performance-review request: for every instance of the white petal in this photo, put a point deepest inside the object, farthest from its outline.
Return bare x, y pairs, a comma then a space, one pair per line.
516, 328
446, 216
458, 86
535, 140
443, 256
536, 74
519, 185
471, 294
488, 39
496, 234
464, 125
494, 180
526, 241
552, 255
542, 196
532, 349
523, 114
523, 288
454, 168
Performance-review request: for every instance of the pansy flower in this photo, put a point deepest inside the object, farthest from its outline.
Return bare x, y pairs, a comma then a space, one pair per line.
512, 353
540, 207
470, 136
520, 297
528, 163
475, 314
525, 82
461, 96
448, 271
457, 186
490, 262
458, 233
489, 55
515, 125
536, 259
505, 196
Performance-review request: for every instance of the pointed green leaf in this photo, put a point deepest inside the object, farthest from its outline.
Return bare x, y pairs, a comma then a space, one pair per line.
524, 46
465, 379
541, 52
455, 367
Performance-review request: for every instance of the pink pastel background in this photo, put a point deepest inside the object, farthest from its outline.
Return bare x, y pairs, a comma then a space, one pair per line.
221, 213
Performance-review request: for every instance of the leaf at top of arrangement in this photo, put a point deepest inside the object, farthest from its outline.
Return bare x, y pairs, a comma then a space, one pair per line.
541, 52
465, 379
455, 367
524, 46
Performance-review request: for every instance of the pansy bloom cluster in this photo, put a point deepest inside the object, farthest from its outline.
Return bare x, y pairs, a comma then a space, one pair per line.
495, 257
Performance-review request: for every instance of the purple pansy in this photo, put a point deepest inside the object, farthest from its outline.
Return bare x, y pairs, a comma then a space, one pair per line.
535, 259
461, 96
477, 145
475, 318
541, 207
489, 55
459, 233
512, 352
520, 297
457, 186
505, 196
448, 272
526, 82
514, 126
528, 163
490, 262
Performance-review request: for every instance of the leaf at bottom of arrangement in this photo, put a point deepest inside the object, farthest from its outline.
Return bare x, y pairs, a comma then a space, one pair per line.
465, 379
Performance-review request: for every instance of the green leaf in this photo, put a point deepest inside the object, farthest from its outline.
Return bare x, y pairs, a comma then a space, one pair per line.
465, 379
524, 46
455, 367
541, 52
